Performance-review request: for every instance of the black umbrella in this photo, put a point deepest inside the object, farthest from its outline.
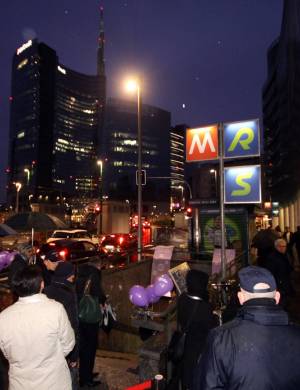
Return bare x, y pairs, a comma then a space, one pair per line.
6, 230
37, 221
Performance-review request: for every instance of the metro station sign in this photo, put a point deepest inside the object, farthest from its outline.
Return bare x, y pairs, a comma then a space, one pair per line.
241, 139
202, 144
242, 184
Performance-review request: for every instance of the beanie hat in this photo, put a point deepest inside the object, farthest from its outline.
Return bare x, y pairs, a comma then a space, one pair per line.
63, 271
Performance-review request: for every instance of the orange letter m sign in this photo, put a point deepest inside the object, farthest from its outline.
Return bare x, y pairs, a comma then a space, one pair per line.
202, 143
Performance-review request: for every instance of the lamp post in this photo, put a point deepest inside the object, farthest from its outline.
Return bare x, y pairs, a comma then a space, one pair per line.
18, 188
135, 86
99, 218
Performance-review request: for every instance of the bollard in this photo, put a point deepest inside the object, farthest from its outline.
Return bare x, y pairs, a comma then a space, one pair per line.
159, 383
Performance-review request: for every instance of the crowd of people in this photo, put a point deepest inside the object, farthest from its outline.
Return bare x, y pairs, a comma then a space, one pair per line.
257, 347
42, 337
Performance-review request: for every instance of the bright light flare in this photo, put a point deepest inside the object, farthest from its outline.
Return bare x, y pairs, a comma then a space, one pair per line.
131, 85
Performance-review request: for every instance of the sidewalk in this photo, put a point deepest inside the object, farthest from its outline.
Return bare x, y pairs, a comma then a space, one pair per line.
112, 368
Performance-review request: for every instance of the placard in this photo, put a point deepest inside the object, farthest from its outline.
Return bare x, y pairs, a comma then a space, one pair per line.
216, 262
178, 275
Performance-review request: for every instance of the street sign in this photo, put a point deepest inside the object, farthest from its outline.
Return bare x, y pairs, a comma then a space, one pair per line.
242, 184
202, 143
241, 139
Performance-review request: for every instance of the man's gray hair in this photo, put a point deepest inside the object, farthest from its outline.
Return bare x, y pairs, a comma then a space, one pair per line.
279, 242
249, 295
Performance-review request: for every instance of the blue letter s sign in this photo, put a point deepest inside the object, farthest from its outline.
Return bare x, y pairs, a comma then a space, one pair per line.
243, 184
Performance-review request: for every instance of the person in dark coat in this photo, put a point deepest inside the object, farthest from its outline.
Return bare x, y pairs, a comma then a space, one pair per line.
195, 316
295, 240
278, 264
263, 241
62, 289
88, 333
259, 349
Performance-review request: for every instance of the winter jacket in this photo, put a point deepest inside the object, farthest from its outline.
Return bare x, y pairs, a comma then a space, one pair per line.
196, 317
64, 292
84, 273
35, 337
278, 264
258, 350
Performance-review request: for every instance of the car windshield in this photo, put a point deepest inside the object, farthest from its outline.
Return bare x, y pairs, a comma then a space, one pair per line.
62, 235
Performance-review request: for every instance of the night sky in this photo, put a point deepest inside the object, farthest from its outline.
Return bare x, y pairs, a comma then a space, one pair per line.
203, 60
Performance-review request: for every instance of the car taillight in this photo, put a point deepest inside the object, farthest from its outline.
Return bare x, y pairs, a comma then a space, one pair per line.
63, 253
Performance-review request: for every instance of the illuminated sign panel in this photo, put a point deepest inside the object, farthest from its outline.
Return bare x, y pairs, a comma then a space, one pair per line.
242, 184
241, 139
24, 47
202, 143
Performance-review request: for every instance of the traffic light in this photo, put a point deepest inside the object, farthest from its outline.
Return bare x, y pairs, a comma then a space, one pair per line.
143, 177
189, 212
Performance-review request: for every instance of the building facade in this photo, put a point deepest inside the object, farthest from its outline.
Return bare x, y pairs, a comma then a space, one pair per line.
120, 152
177, 164
56, 121
281, 118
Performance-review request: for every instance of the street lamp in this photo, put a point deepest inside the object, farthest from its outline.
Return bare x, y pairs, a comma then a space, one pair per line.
18, 188
99, 218
214, 172
182, 196
27, 171
134, 85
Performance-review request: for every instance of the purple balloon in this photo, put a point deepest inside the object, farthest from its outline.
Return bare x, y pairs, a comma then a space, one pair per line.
152, 298
138, 296
6, 258
163, 285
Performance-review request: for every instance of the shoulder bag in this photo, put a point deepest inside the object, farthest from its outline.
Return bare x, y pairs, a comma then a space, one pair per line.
89, 309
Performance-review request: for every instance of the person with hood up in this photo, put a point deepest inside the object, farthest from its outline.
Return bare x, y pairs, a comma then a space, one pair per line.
195, 316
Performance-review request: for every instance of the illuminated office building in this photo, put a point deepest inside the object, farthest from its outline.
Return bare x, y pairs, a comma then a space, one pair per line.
177, 163
119, 148
56, 121
281, 120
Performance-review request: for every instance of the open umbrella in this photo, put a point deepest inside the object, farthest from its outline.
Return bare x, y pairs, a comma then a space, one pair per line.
6, 230
37, 221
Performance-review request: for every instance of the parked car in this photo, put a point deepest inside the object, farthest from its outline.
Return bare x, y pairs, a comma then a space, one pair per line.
118, 243
118, 249
74, 234
68, 249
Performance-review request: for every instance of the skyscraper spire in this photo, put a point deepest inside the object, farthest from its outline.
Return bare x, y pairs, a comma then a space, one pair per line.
290, 28
101, 41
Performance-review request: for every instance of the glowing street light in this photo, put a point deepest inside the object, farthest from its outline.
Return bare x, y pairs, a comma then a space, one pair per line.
214, 172
99, 217
27, 171
18, 188
134, 85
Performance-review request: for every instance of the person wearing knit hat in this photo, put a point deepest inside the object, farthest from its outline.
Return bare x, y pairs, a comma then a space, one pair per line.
62, 289
195, 317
